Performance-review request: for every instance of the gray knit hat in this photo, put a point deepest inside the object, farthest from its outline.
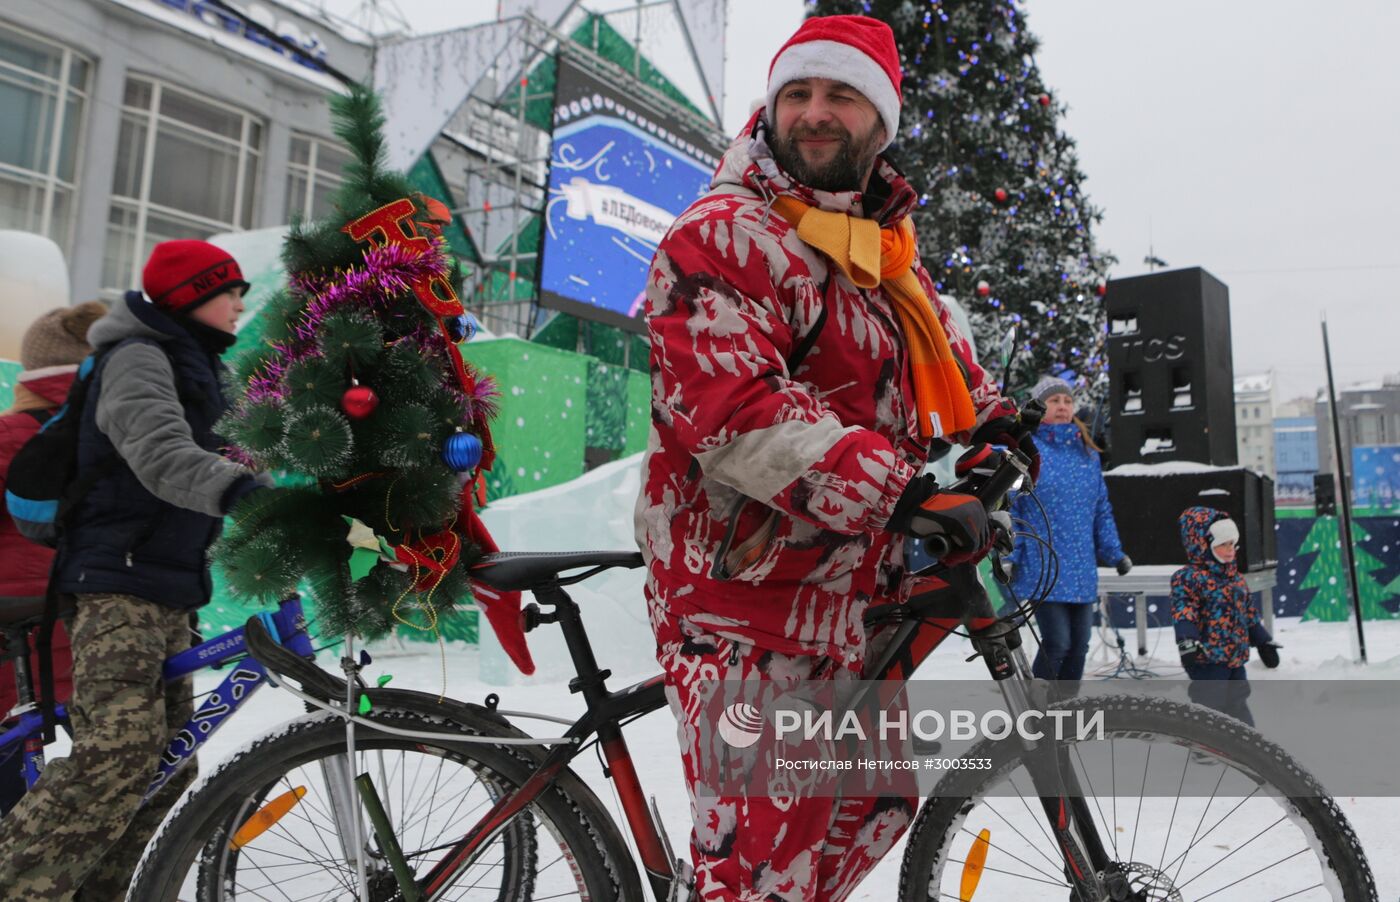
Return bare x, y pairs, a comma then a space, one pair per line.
1048, 386
59, 337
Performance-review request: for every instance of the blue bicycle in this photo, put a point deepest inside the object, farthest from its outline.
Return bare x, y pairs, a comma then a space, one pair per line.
414, 774
18, 618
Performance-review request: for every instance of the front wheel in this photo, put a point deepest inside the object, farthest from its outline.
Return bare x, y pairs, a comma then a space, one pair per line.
231, 838
1230, 816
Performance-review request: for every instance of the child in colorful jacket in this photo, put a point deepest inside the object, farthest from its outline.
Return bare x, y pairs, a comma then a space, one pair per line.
1216, 618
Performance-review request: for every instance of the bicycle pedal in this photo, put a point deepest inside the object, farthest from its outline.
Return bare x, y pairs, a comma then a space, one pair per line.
682, 883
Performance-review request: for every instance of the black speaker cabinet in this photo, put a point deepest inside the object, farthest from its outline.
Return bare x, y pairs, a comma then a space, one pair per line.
1146, 506
1324, 495
1171, 373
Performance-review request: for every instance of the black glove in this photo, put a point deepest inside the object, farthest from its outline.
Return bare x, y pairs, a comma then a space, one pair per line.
1125, 564
997, 431
1003, 533
926, 510
1190, 651
1268, 653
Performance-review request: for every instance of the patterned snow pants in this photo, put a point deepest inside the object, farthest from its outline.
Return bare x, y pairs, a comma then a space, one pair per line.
78, 834
767, 847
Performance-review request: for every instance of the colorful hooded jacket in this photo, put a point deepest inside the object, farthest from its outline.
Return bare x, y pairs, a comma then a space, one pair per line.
1080, 525
800, 468
1210, 601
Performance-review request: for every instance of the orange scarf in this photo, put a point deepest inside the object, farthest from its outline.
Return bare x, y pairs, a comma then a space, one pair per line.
871, 256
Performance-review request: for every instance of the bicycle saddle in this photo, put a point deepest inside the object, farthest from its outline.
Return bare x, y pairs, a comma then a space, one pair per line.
26, 611
524, 570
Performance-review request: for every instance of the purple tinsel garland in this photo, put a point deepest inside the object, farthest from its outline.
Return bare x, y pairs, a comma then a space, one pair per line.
389, 272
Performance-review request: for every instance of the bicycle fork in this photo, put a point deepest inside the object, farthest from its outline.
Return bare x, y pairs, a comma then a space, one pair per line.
1080, 846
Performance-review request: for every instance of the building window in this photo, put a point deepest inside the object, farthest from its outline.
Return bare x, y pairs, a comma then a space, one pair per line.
43, 90
315, 172
187, 167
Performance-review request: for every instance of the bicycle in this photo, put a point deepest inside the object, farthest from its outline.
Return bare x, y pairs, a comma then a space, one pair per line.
19, 616
516, 822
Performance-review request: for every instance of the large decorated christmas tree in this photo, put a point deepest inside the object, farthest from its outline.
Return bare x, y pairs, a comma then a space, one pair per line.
360, 391
1003, 223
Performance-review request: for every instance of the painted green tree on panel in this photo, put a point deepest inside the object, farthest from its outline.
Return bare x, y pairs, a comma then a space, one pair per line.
1328, 575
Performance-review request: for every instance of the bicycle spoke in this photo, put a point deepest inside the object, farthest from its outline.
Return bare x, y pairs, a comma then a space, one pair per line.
1112, 834
1167, 837
1205, 811
1037, 819
1300, 892
1015, 858
1203, 836
1141, 793
1282, 818
993, 870
990, 807
1255, 874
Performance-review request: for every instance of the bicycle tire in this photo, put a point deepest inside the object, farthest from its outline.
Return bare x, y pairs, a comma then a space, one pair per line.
193, 843
940, 826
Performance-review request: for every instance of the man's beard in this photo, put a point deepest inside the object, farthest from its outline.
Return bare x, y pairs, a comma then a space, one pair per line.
845, 171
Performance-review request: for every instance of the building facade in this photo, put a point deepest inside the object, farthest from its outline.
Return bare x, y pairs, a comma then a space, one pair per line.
1369, 415
1254, 422
1295, 459
130, 122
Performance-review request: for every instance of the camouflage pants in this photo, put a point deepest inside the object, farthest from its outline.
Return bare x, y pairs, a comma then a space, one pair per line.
79, 833
776, 846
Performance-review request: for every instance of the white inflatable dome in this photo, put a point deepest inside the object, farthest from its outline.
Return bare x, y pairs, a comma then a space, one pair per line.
33, 279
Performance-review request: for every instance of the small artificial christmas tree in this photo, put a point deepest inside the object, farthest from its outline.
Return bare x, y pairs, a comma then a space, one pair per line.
360, 389
1003, 223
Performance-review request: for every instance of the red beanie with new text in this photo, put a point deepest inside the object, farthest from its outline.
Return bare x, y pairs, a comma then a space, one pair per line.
181, 275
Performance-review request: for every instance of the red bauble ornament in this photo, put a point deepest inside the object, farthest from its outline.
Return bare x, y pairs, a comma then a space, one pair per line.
1001, 195
983, 289
359, 401
1044, 99
1101, 289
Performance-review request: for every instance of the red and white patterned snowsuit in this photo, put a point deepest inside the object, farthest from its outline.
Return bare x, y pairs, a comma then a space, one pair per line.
821, 453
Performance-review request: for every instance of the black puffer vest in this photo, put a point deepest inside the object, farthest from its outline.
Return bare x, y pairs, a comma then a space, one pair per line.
123, 539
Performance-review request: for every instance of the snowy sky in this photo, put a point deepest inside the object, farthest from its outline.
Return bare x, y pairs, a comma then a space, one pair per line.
1254, 138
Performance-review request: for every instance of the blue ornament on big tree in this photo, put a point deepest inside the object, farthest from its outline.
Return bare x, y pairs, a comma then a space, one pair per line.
462, 451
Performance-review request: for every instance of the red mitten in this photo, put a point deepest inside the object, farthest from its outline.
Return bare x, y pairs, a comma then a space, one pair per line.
502, 608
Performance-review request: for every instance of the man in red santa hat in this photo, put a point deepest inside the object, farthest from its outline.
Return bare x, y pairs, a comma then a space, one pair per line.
802, 366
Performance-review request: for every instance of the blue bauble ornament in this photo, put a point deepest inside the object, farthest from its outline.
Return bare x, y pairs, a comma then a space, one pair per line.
462, 328
462, 451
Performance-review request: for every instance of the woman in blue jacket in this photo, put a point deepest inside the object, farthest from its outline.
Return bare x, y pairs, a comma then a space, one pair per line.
1080, 529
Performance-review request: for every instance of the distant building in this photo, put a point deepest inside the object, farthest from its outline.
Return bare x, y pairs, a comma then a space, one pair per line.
1254, 422
1295, 459
1369, 414
128, 122
1305, 406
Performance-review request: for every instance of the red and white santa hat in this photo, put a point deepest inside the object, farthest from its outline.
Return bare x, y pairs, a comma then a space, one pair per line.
857, 50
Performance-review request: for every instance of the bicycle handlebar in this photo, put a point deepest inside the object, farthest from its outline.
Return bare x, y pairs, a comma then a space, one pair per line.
1014, 465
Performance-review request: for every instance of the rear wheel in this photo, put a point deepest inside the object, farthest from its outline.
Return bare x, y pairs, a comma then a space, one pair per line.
559, 847
1188, 803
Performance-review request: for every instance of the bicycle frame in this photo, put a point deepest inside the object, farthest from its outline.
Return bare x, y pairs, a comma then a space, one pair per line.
286, 624
965, 604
